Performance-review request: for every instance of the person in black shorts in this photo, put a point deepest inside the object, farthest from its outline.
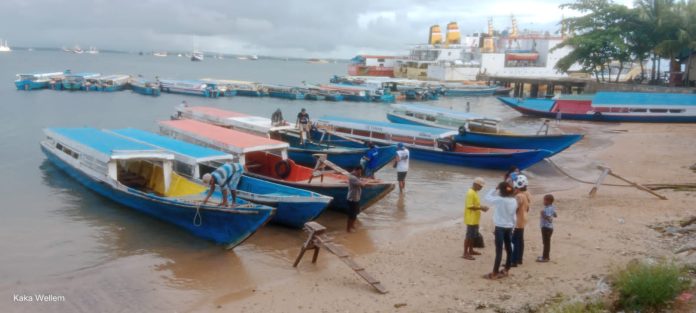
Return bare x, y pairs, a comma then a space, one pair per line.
354, 193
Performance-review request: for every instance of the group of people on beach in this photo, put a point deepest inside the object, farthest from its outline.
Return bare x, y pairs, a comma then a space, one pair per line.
511, 203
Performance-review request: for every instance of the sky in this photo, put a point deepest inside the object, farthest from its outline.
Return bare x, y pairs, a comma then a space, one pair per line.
283, 28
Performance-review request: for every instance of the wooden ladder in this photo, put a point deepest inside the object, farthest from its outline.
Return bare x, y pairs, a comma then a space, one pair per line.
317, 239
320, 168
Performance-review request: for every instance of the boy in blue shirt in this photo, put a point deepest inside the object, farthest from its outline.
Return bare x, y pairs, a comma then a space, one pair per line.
547, 216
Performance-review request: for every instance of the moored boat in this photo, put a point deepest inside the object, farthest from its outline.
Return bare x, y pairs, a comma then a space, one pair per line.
607, 106
110, 83
477, 130
285, 92
371, 65
77, 81
145, 87
36, 80
197, 56
344, 157
141, 177
294, 206
267, 159
426, 143
189, 87
470, 91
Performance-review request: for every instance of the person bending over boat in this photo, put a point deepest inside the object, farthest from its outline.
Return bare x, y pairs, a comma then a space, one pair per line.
369, 160
504, 219
304, 124
226, 177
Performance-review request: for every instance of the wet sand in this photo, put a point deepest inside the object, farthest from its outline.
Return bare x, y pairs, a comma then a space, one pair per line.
411, 242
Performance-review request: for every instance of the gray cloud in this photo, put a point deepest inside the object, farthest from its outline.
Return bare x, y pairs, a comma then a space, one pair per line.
282, 28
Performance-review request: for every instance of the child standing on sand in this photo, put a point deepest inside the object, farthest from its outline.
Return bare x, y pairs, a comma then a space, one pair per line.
547, 216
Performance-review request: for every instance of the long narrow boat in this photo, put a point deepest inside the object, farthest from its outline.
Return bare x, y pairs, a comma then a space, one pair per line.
267, 159
76, 81
347, 158
36, 80
470, 91
106, 83
477, 130
145, 87
285, 92
612, 107
426, 143
141, 177
360, 93
189, 87
226, 88
294, 207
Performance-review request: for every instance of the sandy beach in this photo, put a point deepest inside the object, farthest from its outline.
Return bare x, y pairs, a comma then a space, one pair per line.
422, 268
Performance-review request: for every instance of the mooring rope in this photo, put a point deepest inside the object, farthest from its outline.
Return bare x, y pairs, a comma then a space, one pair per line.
557, 167
197, 218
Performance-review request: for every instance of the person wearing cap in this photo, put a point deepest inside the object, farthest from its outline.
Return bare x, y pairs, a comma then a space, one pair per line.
401, 165
524, 199
369, 160
225, 177
304, 124
472, 216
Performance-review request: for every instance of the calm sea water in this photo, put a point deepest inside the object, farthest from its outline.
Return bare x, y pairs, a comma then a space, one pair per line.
59, 237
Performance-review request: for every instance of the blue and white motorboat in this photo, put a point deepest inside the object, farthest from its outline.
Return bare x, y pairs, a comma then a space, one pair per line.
145, 87
109, 83
141, 177
294, 206
426, 143
189, 87
77, 81
478, 130
285, 92
37, 80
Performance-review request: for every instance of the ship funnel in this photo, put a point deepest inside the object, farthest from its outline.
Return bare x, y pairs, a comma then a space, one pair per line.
435, 37
453, 36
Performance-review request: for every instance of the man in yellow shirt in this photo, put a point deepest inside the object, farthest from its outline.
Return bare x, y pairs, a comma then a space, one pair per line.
472, 216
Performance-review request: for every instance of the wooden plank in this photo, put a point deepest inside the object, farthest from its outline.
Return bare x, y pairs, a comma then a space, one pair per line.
354, 266
639, 186
367, 277
335, 249
600, 180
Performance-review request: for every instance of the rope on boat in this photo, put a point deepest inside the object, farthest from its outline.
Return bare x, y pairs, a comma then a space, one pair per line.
197, 219
557, 167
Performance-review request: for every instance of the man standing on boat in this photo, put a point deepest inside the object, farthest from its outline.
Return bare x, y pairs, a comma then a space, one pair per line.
401, 165
226, 177
304, 124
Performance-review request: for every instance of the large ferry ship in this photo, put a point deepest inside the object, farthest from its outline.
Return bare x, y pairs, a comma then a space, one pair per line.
465, 58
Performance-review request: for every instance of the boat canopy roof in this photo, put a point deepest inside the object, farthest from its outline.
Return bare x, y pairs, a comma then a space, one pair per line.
230, 140
437, 111
228, 81
39, 75
191, 152
105, 146
230, 119
386, 127
632, 99
83, 74
115, 77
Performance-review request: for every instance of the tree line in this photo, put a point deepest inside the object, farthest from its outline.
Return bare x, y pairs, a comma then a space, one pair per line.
610, 33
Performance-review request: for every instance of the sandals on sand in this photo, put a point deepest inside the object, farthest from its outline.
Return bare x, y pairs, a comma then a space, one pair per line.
468, 257
542, 260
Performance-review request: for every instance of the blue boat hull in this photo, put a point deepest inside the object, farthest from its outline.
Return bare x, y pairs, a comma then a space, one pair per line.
336, 97
470, 93
71, 86
384, 98
112, 88
553, 143
288, 213
148, 91
286, 95
229, 93
518, 106
496, 161
30, 85
249, 93
204, 93
356, 98
346, 158
228, 227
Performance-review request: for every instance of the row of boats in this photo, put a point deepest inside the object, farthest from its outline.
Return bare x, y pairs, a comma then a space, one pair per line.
159, 174
374, 89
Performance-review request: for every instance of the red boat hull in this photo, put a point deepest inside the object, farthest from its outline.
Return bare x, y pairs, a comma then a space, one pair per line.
362, 70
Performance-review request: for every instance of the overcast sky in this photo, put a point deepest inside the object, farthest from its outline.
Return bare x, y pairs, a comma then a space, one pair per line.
296, 28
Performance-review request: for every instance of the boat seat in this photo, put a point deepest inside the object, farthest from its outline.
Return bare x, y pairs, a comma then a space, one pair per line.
132, 180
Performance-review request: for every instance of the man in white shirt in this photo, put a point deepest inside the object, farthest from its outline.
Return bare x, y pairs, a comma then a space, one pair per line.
401, 165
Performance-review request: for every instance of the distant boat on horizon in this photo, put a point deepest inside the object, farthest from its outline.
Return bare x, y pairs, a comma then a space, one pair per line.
197, 56
4, 47
317, 61
77, 50
92, 50
161, 54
